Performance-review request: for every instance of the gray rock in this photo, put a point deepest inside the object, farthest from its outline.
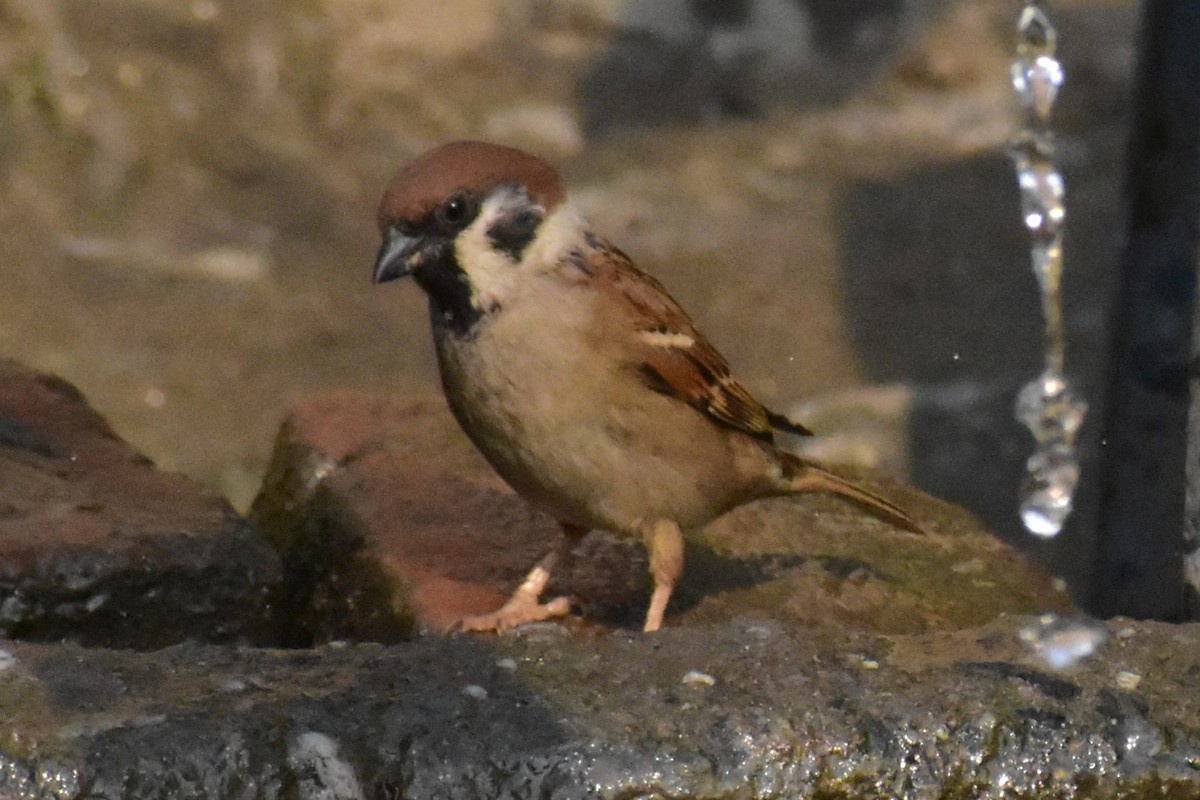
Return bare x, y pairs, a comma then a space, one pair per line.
844, 714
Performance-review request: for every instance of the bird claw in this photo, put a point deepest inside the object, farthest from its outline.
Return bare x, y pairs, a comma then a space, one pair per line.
522, 608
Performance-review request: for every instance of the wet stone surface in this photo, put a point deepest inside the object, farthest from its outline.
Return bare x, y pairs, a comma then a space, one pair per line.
98, 546
741, 710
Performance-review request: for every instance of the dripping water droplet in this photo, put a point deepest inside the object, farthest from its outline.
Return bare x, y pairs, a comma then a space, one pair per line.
1036, 84
1042, 190
1048, 490
1035, 33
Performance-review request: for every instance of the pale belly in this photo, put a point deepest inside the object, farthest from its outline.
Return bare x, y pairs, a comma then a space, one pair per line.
591, 446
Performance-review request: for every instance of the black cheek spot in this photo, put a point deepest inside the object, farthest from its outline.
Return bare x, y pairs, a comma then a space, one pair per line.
513, 234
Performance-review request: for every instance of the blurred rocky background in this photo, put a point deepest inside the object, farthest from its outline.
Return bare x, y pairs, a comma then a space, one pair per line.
187, 194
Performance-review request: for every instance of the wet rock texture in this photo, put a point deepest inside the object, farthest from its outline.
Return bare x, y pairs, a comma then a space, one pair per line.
97, 546
729, 711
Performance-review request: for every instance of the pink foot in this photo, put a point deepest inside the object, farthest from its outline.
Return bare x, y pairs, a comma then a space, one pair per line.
522, 608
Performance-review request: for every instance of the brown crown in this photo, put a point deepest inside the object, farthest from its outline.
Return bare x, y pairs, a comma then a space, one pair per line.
474, 167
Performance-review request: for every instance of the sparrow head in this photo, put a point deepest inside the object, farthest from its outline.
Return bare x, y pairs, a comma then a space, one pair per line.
460, 220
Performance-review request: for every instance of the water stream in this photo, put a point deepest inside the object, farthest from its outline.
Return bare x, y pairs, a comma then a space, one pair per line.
1046, 405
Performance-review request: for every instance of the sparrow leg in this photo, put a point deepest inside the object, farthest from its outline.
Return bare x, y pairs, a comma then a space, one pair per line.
664, 541
523, 607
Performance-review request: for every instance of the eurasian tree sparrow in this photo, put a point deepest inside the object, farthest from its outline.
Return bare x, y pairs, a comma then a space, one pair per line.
576, 375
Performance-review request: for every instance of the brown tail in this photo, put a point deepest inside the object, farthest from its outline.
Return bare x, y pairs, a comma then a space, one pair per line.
805, 476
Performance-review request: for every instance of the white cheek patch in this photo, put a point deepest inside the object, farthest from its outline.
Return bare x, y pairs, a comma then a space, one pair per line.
495, 277
559, 234
492, 272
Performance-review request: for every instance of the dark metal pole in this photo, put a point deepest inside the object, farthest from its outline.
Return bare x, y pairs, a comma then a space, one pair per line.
1146, 436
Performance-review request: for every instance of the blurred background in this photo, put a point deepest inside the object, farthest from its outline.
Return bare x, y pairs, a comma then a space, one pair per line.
188, 192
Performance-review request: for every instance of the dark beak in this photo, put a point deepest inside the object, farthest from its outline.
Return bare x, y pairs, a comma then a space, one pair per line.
399, 255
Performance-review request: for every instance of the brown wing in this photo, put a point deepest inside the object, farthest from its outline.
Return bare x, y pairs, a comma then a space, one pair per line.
675, 358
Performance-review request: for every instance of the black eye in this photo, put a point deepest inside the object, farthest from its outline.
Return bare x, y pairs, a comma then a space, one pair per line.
457, 210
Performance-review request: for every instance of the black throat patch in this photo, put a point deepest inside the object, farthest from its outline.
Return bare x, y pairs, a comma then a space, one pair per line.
449, 292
